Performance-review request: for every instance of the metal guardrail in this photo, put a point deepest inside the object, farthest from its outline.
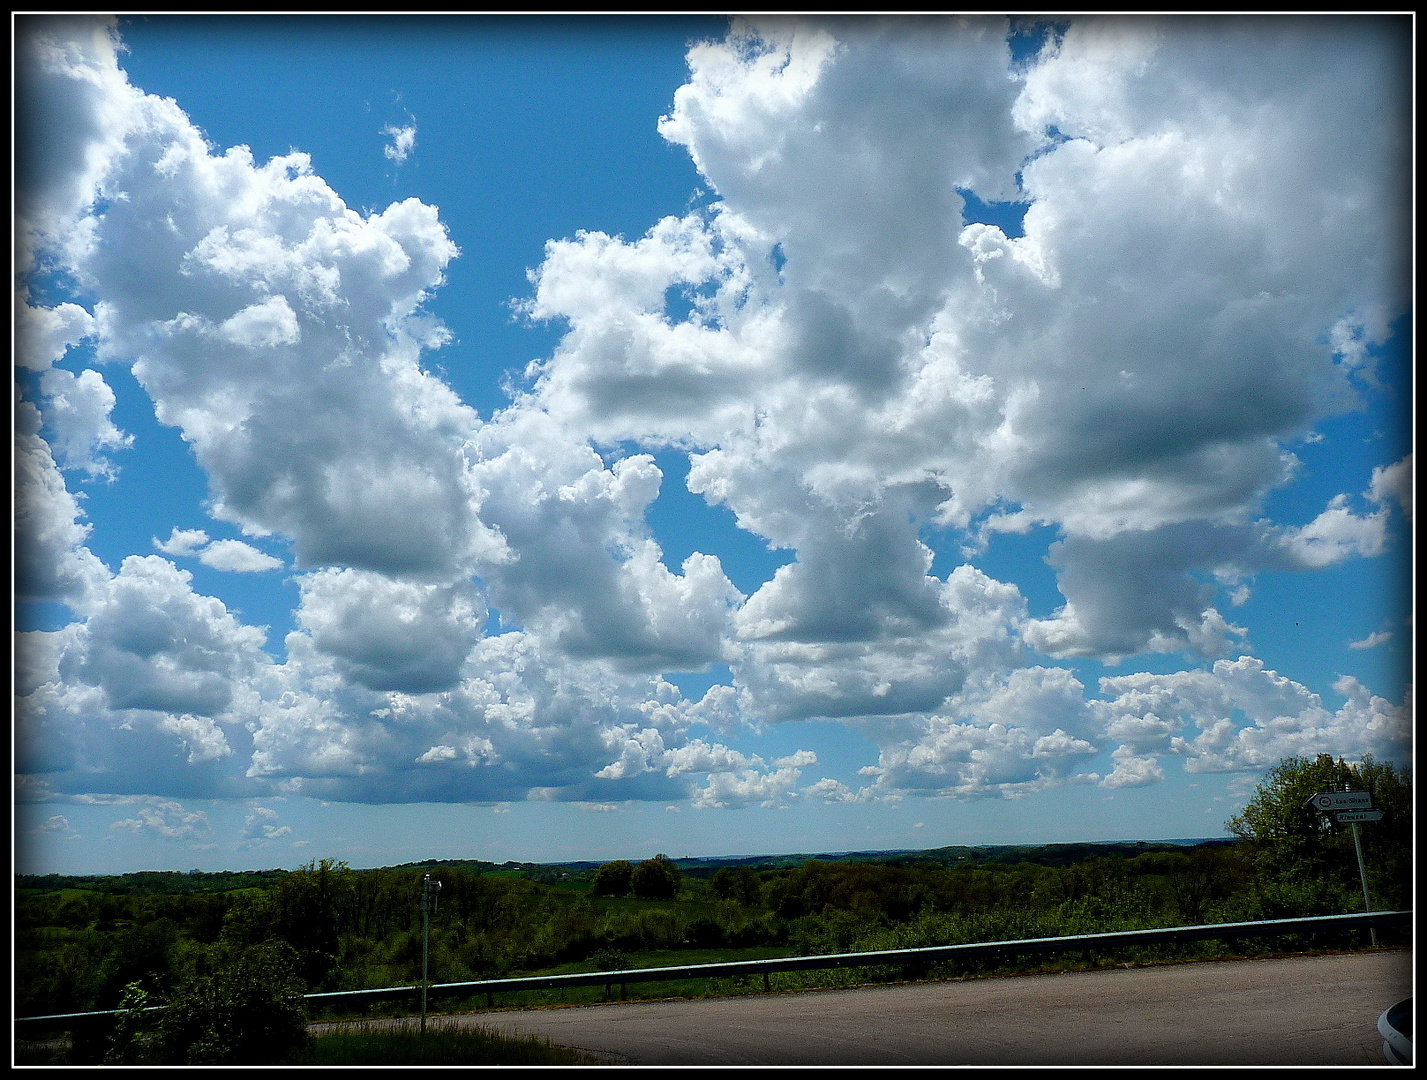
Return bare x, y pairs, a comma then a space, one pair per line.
926, 955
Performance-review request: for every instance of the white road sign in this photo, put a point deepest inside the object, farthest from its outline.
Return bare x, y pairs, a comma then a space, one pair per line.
1342, 800
1359, 815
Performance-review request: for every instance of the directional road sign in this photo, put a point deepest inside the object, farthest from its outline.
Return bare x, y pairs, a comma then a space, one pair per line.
1359, 815
1342, 800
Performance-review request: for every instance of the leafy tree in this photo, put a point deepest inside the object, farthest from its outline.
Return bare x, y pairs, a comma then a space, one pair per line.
133, 1041
656, 879
1303, 852
143, 953
308, 907
613, 879
248, 1010
741, 884
1196, 881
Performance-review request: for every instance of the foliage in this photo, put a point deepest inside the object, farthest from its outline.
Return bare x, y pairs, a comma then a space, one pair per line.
1305, 862
613, 879
874, 892
740, 884
655, 879
306, 907
133, 1041
611, 959
248, 1010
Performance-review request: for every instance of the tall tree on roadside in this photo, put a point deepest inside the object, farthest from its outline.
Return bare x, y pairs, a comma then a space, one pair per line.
1304, 859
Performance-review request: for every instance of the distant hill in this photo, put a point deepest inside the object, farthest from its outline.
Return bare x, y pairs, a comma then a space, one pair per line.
199, 881
1044, 854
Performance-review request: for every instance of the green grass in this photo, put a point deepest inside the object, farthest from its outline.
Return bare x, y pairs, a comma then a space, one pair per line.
443, 1044
367, 1043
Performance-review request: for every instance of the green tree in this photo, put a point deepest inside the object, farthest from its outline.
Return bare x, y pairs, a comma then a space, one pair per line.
740, 884
656, 879
142, 952
1305, 861
613, 878
309, 907
133, 1041
248, 1010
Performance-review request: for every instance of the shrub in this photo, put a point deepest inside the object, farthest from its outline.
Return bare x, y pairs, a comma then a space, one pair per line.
248, 1010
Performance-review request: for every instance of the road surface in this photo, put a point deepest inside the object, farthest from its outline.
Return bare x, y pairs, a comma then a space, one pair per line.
1319, 1010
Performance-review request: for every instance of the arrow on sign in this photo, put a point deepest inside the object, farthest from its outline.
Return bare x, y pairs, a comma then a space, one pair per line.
1359, 815
1342, 800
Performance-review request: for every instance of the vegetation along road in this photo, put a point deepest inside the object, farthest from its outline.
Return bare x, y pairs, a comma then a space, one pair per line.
1317, 1010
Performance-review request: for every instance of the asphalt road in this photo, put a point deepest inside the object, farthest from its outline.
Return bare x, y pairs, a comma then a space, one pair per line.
1319, 1010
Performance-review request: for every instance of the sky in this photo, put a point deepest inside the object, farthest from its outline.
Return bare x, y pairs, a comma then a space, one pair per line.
557, 439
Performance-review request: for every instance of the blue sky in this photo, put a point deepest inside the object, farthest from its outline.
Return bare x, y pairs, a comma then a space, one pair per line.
556, 438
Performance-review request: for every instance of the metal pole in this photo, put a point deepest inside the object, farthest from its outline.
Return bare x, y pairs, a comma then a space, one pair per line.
429, 890
1363, 877
425, 936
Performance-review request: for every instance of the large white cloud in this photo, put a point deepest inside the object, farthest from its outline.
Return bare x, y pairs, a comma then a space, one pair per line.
1204, 229
274, 326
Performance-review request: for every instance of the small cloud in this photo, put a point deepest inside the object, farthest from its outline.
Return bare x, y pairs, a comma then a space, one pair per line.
57, 823
166, 819
1132, 770
237, 557
262, 826
182, 543
233, 556
797, 759
1372, 640
402, 140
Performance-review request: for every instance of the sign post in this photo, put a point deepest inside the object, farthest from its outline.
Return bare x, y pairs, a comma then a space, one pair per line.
429, 891
1352, 807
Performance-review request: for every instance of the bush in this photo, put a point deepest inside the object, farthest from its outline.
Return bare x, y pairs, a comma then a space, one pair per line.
248, 1011
133, 1041
610, 958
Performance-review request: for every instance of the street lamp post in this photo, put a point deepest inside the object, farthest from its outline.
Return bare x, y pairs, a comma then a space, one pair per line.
429, 891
